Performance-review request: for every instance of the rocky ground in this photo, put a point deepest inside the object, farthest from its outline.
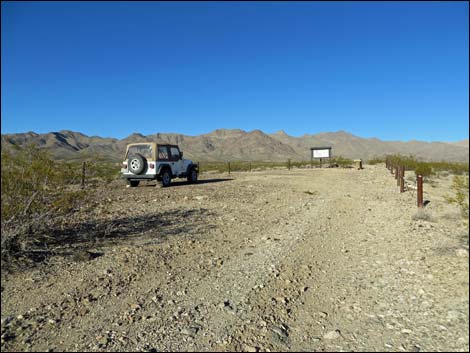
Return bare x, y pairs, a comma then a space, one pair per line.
299, 260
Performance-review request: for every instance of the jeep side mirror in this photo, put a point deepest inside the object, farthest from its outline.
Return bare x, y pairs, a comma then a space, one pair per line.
181, 154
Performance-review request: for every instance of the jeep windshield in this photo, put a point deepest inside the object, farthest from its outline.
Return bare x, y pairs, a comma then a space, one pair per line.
144, 150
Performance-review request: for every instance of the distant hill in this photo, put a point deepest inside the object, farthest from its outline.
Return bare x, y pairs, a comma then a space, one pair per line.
463, 143
235, 144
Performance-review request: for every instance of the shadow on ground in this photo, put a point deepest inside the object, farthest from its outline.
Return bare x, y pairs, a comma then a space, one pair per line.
179, 183
88, 240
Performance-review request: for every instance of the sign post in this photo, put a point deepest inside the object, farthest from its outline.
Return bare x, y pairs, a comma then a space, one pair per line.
320, 153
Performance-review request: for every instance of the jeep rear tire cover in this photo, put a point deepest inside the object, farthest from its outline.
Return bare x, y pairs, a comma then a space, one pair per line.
137, 164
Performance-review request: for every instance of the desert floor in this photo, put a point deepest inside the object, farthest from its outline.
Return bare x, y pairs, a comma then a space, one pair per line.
279, 260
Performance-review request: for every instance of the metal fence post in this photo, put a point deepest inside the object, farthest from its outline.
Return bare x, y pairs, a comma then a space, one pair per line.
398, 174
402, 179
82, 184
419, 181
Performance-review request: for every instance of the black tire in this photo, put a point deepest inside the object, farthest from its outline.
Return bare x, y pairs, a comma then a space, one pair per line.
192, 176
137, 164
134, 183
166, 178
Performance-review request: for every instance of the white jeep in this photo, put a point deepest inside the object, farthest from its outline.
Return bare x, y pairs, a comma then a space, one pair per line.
161, 162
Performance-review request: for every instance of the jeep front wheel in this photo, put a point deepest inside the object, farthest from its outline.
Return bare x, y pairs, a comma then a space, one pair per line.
192, 177
166, 178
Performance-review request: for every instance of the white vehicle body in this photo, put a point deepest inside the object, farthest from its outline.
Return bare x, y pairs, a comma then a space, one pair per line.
150, 161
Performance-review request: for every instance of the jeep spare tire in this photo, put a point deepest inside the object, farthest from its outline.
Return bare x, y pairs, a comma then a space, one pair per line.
137, 164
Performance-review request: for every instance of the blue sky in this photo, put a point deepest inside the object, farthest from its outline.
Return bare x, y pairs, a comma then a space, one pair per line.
392, 70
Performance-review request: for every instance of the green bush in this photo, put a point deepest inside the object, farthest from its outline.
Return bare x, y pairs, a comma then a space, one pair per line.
427, 168
341, 161
243, 166
36, 191
376, 160
460, 198
423, 169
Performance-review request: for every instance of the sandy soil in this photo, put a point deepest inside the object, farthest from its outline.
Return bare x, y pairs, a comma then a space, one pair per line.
299, 260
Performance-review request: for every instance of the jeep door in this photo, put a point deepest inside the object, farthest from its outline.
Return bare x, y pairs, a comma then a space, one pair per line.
177, 165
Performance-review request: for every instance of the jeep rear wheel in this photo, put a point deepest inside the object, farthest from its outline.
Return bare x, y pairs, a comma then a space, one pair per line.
192, 177
166, 178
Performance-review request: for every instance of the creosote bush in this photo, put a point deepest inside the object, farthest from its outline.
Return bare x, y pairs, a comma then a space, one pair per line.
342, 162
423, 169
428, 168
376, 160
244, 166
38, 191
460, 197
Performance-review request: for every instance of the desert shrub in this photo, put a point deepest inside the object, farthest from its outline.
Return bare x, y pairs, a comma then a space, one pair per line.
244, 166
409, 162
342, 162
101, 170
428, 168
301, 164
451, 167
376, 160
423, 169
444, 174
423, 215
36, 190
460, 197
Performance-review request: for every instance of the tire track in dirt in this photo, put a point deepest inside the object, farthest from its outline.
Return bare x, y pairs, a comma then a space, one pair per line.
275, 260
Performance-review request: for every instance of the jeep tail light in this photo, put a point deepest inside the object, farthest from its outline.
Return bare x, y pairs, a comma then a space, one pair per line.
152, 165
124, 165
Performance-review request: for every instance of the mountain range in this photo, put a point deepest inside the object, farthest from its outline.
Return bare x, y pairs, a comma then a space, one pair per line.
236, 144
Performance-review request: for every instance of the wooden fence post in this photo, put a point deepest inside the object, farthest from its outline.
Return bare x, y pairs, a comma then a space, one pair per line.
419, 181
250, 166
228, 168
288, 164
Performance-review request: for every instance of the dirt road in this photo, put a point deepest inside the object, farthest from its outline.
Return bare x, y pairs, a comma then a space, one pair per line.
299, 260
